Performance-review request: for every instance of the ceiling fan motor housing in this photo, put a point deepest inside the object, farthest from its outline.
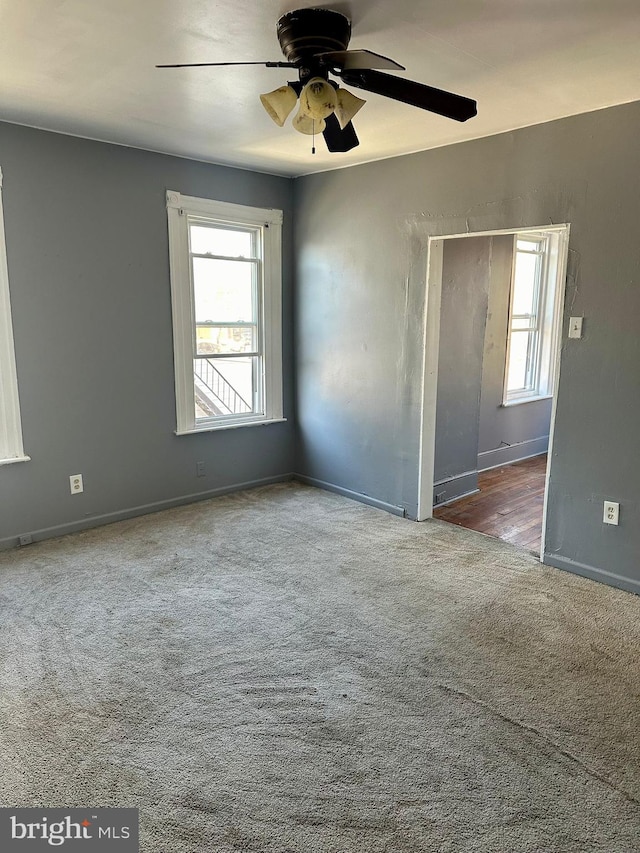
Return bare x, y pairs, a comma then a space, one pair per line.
306, 32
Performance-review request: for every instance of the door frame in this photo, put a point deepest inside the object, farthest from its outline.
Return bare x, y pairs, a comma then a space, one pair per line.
431, 347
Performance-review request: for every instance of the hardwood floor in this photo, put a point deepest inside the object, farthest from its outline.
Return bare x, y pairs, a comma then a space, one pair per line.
508, 506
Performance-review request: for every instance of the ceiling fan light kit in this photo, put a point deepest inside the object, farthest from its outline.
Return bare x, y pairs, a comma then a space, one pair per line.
307, 125
347, 106
314, 41
279, 103
318, 98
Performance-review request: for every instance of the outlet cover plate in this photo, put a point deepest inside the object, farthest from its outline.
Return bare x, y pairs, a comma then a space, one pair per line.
611, 512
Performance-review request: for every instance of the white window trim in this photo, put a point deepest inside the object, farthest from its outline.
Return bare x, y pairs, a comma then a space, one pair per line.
270, 221
551, 273
11, 447
524, 400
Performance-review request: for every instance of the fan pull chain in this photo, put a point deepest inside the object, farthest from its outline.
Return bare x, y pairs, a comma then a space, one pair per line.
313, 136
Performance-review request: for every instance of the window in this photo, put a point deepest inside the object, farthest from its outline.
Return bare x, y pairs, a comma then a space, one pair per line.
534, 315
11, 449
225, 262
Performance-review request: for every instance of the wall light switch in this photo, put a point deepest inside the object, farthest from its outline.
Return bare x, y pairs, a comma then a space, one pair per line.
575, 327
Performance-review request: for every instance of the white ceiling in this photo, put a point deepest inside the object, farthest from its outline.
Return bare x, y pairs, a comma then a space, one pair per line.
86, 67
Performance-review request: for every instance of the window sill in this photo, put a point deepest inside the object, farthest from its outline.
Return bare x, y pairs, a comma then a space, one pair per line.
215, 427
509, 403
15, 459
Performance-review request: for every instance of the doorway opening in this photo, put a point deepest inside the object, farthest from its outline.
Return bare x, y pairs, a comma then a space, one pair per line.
493, 329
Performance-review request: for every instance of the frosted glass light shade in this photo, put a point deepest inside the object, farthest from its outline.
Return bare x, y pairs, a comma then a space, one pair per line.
347, 106
279, 103
318, 98
305, 124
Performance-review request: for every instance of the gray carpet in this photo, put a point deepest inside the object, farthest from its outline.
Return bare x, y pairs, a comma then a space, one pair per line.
286, 671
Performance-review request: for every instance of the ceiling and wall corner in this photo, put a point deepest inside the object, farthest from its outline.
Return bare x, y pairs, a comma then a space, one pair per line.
87, 69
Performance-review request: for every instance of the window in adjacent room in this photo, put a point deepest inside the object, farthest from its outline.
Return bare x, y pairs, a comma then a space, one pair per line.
534, 315
226, 298
11, 449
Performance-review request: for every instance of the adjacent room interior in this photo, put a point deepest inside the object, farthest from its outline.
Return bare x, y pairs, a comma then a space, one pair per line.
498, 361
238, 380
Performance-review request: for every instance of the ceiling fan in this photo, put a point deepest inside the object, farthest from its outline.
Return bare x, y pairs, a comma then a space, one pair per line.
314, 41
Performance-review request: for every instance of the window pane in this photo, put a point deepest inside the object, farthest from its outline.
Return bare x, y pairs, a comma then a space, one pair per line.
518, 361
225, 339
223, 386
524, 284
221, 241
529, 245
223, 291
522, 324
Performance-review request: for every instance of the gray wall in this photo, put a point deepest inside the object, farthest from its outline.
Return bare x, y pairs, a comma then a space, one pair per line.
361, 249
86, 230
511, 432
463, 317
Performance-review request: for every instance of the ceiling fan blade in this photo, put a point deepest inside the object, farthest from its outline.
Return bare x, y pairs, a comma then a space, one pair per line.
337, 139
438, 101
210, 64
351, 60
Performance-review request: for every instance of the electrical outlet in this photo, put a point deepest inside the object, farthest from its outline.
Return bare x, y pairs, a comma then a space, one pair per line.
200, 469
75, 484
611, 512
25, 539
